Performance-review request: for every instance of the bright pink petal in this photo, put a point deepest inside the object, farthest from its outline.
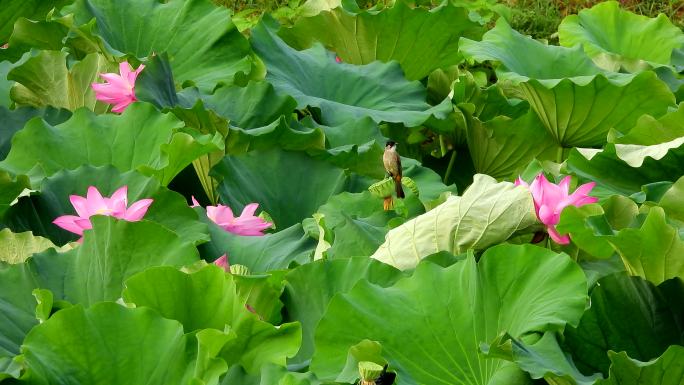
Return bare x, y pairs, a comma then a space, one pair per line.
548, 215
521, 182
137, 210
69, 223
95, 202
560, 239
133, 76
124, 69
119, 201
117, 82
120, 107
194, 201
84, 223
81, 205
220, 214
565, 185
249, 210
222, 262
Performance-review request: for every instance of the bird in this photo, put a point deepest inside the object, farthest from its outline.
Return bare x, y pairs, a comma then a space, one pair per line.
392, 164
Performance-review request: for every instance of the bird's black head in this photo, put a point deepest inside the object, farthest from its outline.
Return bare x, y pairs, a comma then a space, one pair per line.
390, 143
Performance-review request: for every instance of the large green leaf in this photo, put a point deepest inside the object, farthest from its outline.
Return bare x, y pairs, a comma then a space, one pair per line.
37, 211
204, 46
503, 147
310, 288
14, 120
591, 226
627, 314
431, 325
354, 224
5, 85
260, 254
111, 344
255, 105
653, 251
287, 196
44, 79
651, 152
574, 99
667, 369
16, 247
17, 310
208, 298
10, 188
616, 38
420, 40
342, 91
115, 250
543, 359
141, 138
488, 213
33, 9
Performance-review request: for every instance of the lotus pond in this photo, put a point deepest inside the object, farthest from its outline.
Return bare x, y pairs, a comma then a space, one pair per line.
192, 196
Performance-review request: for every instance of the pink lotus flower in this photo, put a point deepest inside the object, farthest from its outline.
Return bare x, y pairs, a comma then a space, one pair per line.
550, 200
119, 89
95, 204
245, 224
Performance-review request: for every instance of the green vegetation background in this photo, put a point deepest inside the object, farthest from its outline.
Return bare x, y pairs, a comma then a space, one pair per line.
537, 18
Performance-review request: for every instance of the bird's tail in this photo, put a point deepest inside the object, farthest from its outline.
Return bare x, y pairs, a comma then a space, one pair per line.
397, 187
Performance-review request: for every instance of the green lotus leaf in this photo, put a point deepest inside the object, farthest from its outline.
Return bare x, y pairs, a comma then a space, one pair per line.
488, 213
310, 288
16, 247
650, 152
204, 46
356, 224
439, 316
342, 91
591, 226
5, 85
141, 138
14, 120
270, 374
10, 188
420, 40
209, 298
255, 105
258, 115
93, 272
44, 34
627, 371
32, 9
503, 147
287, 196
627, 314
117, 250
356, 145
262, 292
672, 202
37, 211
45, 79
543, 359
567, 90
260, 253
652, 251
110, 344
17, 313
616, 38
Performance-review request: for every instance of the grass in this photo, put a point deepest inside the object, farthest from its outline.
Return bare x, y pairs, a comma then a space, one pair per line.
540, 18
